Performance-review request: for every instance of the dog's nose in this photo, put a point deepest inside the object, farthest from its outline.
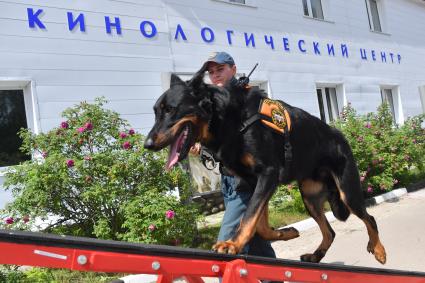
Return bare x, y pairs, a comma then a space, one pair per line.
149, 143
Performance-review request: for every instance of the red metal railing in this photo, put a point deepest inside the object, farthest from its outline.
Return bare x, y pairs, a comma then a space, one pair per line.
35, 249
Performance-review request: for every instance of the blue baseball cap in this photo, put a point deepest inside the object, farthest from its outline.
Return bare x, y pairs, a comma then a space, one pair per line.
220, 58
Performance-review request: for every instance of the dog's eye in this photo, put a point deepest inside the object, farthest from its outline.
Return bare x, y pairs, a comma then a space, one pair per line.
168, 109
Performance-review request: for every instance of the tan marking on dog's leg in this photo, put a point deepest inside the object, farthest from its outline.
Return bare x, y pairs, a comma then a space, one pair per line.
248, 160
245, 232
314, 198
375, 246
310, 187
267, 233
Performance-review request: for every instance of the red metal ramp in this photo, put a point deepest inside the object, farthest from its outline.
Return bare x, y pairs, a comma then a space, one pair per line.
86, 254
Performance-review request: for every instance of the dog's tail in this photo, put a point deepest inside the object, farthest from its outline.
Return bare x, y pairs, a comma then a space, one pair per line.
339, 209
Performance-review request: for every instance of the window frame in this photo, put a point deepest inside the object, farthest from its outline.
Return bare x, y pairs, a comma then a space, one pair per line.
336, 103
422, 97
310, 9
396, 106
31, 103
380, 6
248, 3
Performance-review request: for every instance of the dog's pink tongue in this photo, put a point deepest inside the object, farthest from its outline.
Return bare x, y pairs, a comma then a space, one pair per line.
173, 156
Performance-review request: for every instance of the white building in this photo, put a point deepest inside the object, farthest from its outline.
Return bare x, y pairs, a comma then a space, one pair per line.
315, 54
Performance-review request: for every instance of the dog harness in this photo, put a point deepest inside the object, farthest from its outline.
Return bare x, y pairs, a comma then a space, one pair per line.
275, 116
272, 114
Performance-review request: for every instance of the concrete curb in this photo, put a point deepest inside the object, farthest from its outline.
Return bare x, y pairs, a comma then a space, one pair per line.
310, 223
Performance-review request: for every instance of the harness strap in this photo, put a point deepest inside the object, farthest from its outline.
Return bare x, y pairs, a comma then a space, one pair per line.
251, 120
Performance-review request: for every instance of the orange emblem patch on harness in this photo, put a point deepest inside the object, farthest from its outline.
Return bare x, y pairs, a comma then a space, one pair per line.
279, 119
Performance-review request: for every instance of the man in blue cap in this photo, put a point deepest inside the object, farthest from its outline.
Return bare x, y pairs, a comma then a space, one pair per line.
222, 70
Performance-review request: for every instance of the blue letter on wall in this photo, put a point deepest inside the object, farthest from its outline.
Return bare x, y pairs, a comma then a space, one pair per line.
204, 37
33, 19
143, 29
179, 30
300, 43
72, 23
116, 24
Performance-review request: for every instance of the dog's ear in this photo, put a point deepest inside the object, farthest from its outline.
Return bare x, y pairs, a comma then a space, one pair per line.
198, 78
175, 80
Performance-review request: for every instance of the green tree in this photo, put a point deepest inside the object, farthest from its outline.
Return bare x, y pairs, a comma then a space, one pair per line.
92, 176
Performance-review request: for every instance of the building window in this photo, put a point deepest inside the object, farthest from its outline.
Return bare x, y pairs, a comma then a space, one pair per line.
373, 14
313, 8
422, 95
12, 119
328, 104
249, 3
387, 97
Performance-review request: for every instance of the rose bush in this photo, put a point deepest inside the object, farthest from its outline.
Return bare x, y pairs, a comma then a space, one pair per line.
91, 176
387, 155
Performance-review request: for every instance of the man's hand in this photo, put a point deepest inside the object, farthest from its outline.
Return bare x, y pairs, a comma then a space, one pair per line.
195, 149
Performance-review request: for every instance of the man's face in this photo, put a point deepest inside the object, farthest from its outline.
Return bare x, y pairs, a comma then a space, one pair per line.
220, 74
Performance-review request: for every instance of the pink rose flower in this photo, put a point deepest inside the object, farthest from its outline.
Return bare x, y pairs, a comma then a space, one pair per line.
9, 220
170, 214
362, 179
88, 126
126, 145
123, 135
64, 125
131, 132
88, 158
152, 227
70, 163
368, 125
369, 189
81, 129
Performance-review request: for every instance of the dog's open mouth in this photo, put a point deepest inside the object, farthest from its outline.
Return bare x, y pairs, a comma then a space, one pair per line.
180, 147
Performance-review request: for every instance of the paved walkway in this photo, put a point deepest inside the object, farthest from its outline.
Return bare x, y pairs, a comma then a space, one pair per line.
401, 224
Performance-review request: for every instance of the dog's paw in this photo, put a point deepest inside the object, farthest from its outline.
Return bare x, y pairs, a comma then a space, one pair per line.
227, 247
310, 258
288, 233
378, 251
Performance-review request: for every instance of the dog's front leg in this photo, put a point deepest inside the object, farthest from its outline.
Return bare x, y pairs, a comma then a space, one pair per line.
266, 185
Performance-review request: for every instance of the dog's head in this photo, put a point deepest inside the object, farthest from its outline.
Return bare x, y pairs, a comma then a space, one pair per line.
182, 114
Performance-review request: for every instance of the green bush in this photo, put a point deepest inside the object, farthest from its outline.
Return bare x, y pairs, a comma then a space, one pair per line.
287, 198
12, 274
92, 177
387, 155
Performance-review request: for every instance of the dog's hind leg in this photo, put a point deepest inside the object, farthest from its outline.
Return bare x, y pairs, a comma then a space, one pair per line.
314, 196
351, 194
269, 234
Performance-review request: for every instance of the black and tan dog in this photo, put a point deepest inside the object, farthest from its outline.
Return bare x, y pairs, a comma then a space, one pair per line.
322, 162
